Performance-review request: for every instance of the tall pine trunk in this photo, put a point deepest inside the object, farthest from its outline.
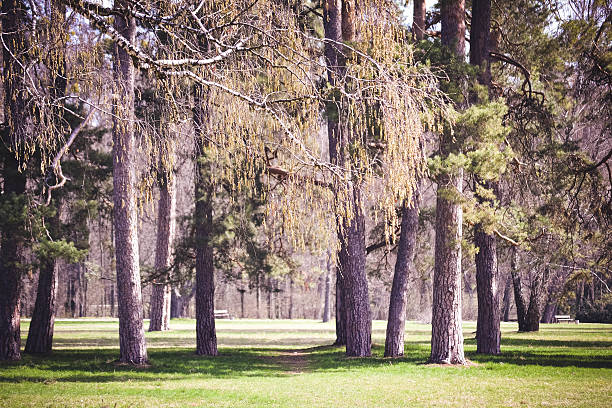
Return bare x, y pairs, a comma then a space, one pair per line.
166, 225
446, 333
12, 239
352, 285
488, 333
206, 337
132, 345
394, 342
418, 19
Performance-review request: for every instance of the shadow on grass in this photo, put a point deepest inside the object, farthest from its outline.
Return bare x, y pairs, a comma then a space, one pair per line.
98, 365
175, 364
546, 342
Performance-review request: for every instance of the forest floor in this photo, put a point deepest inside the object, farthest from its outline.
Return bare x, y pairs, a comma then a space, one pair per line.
281, 363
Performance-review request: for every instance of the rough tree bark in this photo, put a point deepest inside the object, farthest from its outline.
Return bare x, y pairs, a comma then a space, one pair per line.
519, 300
12, 240
488, 333
132, 345
394, 342
446, 335
418, 19
166, 225
40, 334
339, 23
206, 336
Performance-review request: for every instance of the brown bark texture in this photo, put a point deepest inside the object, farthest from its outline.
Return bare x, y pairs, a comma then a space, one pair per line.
519, 300
12, 239
394, 341
206, 337
418, 19
488, 333
446, 335
40, 334
339, 23
166, 225
132, 345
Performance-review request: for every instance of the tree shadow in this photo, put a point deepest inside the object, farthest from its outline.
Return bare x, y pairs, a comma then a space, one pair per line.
99, 365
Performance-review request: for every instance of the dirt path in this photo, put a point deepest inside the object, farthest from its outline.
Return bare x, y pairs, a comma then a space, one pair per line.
293, 361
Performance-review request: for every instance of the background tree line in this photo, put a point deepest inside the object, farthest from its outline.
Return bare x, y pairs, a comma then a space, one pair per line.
290, 158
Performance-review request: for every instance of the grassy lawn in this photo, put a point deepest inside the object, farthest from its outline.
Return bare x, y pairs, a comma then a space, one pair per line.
289, 364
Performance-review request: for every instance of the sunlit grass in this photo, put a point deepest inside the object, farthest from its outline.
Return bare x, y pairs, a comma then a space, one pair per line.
562, 365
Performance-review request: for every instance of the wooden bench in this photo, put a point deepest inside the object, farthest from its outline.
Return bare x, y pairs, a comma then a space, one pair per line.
563, 319
222, 314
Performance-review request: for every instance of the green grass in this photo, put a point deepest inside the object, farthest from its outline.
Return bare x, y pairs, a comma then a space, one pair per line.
289, 364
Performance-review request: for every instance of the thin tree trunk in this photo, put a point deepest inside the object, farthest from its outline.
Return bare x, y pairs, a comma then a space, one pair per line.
327, 294
340, 310
446, 334
206, 335
519, 300
161, 297
394, 341
506, 303
290, 298
258, 297
418, 19
132, 345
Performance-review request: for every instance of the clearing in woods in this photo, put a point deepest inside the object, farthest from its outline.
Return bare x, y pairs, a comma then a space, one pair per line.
283, 363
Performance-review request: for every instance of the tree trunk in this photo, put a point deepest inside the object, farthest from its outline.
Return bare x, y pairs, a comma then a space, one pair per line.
549, 311
327, 294
340, 310
507, 299
446, 333
258, 297
534, 311
13, 234
394, 342
418, 19
519, 300
488, 333
132, 345
206, 335
290, 298
339, 24
40, 335
161, 297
